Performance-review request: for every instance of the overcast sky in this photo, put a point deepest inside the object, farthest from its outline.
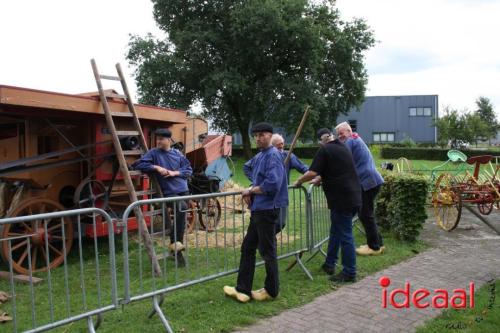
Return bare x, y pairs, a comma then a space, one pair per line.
445, 47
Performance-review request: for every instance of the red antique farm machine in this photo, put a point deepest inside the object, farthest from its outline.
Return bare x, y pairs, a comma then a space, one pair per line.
452, 192
61, 151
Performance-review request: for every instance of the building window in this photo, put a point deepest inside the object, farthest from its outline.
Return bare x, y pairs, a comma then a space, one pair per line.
383, 137
354, 125
420, 112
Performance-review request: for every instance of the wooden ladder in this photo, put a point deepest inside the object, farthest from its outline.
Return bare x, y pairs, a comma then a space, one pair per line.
120, 153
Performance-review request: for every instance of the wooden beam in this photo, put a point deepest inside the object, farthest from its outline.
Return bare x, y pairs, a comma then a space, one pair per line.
83, 104
19, 278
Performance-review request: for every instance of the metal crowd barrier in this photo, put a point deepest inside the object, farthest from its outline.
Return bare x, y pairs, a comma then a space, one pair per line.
208, 254
45, 297
86, 283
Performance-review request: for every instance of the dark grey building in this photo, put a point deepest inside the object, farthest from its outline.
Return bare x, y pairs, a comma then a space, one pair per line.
385, 119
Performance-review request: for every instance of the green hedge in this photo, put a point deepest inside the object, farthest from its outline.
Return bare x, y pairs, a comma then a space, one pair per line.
400, 206
435, 154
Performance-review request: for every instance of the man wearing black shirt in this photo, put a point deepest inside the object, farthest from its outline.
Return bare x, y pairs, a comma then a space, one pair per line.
334, 163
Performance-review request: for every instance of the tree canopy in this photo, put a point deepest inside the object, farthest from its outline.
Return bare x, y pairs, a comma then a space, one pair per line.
253, 60
486, 112
455, 127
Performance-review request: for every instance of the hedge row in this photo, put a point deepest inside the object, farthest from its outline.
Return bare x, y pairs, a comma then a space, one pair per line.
435, 154
400, 206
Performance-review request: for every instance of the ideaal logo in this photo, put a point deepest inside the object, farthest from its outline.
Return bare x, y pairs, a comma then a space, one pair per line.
422, 298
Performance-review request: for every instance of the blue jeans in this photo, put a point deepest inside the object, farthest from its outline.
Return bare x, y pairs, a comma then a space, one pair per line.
341, 238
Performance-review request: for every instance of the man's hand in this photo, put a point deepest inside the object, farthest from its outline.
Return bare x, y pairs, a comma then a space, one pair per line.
162, 171
165, 172
172, 173
297, 183
247, 196
316, 181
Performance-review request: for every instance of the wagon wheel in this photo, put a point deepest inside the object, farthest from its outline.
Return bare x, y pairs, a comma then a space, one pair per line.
91, 193
191, 216
209, 213
485, 207
45, 237
447, 202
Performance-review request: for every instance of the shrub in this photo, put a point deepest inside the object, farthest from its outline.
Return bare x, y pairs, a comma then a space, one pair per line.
401, 205
408, 142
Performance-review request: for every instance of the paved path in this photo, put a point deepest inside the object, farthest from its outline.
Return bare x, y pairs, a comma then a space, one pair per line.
471, 252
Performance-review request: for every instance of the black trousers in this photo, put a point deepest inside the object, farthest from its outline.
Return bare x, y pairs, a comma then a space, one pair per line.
261, 234
367, 217
178, 222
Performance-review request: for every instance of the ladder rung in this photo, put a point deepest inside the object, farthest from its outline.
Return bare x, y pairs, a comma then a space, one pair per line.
139, 193
132, 152
127, 133
111, 95
118, 203
109, 77
135, 172
122, 114
153, 212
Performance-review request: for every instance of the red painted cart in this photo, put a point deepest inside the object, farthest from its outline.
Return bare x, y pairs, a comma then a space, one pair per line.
56, 153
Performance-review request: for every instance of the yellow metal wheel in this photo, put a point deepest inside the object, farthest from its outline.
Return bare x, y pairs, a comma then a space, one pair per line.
447, 202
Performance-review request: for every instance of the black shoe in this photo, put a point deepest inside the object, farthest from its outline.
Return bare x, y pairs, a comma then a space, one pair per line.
328, 269
341, 278
181, 262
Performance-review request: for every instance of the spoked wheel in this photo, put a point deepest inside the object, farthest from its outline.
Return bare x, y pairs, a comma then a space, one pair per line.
191, 216
486, 206
42, 241
91, 193
209, 213
447, 202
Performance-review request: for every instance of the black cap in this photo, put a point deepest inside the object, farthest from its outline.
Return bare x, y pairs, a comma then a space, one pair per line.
262, 127
163, 132
323, 131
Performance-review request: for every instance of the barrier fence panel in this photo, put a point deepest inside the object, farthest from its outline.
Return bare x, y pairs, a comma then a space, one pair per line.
217, 224
54, 274
71, 276
320, 224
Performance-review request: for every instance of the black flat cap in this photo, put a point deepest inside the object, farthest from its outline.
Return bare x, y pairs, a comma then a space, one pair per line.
323, 131
163, 132
262, 127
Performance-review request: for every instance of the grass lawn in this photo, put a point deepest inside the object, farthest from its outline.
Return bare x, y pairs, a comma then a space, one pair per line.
484, 318
199, 308
422, 166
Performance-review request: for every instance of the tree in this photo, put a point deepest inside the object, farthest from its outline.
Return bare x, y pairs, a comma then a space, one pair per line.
454, 127
450, 127
253, 60
475, 128
486, 112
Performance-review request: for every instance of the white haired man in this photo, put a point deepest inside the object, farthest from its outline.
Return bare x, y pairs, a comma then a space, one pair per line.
294, 163
371, 181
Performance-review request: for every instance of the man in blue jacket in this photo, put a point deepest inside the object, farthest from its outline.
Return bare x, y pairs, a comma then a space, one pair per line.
265, 197
293, 163
172, 170
371, 182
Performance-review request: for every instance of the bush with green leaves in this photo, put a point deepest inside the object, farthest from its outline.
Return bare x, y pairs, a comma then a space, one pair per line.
401, 203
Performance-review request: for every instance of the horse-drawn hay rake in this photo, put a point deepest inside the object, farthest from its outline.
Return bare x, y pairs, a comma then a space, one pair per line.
452, 192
